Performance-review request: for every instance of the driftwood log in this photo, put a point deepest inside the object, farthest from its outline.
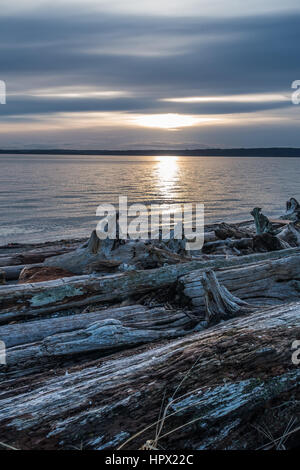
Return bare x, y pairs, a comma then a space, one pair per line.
265, 282
292, 210
225, 230
30, 300
220, 304
33, 345
215, 389
32, 257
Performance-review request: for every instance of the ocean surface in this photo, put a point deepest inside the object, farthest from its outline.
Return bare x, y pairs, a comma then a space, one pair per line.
47, 197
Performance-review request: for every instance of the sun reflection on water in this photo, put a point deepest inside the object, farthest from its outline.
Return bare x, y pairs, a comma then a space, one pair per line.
167, 170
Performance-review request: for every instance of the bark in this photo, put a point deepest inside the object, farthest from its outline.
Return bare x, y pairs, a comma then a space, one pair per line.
32, 274
31, 300
226, 380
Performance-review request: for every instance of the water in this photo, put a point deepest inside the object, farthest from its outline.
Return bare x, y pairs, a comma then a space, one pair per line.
45, 197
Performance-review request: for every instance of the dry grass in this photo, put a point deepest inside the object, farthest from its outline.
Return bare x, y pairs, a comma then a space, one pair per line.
7, 446
152, 444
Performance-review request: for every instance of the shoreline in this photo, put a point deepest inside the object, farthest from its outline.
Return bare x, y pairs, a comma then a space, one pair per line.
213, 152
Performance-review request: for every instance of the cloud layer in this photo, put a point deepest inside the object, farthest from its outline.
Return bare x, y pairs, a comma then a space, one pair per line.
92, 74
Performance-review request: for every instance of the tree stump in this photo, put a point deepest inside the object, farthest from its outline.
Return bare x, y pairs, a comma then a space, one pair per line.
220, 304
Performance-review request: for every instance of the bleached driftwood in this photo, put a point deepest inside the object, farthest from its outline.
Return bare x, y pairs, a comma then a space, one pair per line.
220, 304
30, 300
292, 210
268, 281
33, 346
101, 337
134, 316
227, 377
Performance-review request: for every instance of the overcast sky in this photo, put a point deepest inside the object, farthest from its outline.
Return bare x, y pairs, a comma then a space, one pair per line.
149, 74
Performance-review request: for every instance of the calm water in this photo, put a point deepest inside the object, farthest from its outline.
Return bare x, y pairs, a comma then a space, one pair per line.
50, 197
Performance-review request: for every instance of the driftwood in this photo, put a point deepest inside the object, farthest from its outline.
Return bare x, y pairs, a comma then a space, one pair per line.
290, 235
265, 242
220, 304
219, 386
262, 223
224, 231
34, 345
12, 273
30, 300
133, 316
292, 210
31, 274
32, 257
268, 281
239, 244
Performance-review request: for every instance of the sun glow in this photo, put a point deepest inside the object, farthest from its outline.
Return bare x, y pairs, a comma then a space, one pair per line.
246, 98
169, 121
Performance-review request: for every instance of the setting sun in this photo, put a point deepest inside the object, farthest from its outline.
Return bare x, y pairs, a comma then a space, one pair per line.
169, 121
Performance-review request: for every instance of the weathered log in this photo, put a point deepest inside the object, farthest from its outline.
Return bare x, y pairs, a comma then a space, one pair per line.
292, 210
224, 231
290, 235
30, 300
101, 337
135, 253
242, 243
268, 281
103, 265
30, 274
32, 257
210, 236
262, 223
220, 304
134, 316
12, 273
268, 242
219, 385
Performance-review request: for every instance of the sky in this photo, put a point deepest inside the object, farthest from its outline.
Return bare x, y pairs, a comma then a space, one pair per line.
141, 74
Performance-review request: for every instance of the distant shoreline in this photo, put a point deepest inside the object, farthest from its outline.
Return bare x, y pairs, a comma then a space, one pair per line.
230, 152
